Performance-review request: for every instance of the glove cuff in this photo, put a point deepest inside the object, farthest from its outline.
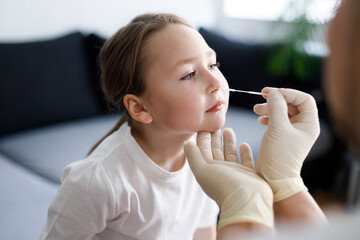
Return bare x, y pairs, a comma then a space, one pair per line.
284, 188
252, 209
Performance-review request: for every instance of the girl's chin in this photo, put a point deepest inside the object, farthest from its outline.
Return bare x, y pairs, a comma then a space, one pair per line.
214, 127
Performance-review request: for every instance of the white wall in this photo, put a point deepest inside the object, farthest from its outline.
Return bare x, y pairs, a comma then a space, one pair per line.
259, 30
27, 20
23, 20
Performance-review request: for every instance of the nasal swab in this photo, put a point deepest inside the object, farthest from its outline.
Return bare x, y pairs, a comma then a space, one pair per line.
243, 91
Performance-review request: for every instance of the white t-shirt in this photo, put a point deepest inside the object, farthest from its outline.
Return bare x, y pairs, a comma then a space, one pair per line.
118, 192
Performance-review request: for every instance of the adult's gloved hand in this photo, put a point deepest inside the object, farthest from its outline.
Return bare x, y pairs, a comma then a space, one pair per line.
241, 194
293, 127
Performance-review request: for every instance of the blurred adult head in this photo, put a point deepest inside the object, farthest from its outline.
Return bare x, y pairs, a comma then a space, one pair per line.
342, 73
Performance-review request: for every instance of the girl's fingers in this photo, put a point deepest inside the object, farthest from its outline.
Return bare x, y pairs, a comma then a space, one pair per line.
230, 151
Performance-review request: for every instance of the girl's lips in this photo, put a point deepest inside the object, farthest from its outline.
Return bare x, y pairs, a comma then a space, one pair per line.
217, 107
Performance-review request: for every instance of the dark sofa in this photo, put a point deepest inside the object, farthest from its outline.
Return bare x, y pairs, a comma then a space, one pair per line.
52, 112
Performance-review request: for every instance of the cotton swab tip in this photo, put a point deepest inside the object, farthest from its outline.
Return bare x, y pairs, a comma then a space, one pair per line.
243, 91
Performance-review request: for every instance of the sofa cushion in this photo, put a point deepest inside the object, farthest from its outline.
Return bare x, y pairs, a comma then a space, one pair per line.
46, 82
48, 150
25, 198
244, 123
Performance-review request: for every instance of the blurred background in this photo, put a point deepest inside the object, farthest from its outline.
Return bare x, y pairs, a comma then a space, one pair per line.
240, 19
51, 105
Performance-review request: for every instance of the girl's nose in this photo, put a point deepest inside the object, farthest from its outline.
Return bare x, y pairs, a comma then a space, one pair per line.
214, 84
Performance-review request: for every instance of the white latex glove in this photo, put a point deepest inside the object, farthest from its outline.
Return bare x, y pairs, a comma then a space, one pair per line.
293, 127
241, 194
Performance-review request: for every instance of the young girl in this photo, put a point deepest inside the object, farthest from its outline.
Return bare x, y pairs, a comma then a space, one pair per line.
136, 183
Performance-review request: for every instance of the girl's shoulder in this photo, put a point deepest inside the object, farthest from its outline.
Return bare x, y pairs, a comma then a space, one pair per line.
107, 160
96, 176
117, 142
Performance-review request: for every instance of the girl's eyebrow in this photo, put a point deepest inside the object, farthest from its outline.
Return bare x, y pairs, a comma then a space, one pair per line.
209, 53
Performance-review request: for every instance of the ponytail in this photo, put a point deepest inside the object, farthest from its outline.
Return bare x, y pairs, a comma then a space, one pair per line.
121, 121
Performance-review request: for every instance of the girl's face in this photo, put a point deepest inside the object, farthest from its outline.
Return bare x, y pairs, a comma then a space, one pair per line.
183, 82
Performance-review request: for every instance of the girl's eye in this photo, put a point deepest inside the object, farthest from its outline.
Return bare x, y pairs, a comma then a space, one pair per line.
189, 76
215, 65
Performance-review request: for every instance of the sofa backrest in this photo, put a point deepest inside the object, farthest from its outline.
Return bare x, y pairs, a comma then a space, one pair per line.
49, 81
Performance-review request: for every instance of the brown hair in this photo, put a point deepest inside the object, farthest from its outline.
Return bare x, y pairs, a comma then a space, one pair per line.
123, 64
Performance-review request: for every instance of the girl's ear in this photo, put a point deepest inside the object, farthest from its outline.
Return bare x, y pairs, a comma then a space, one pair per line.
136, 109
